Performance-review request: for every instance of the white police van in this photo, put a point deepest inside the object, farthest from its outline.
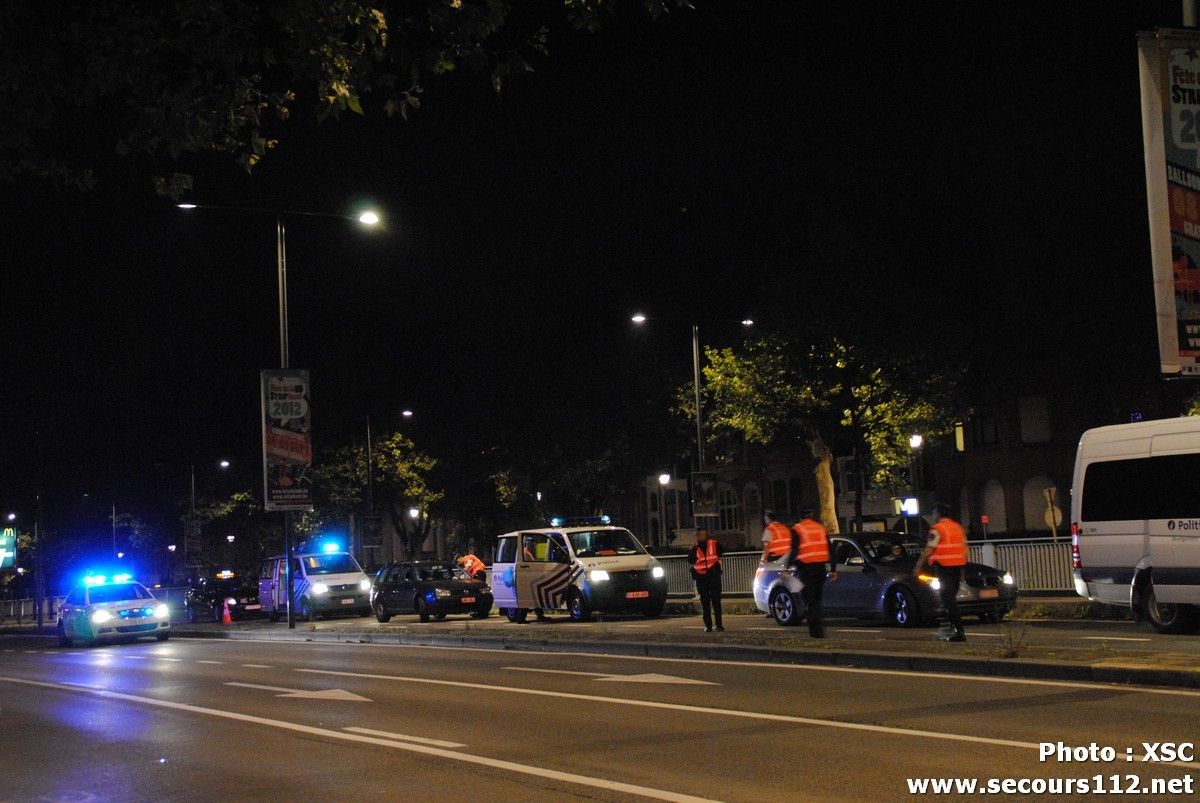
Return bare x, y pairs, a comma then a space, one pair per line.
325, 581
580, 565
1135, 520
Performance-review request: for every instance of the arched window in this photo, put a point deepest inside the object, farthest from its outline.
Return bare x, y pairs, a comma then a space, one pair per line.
1037, 507
993, 506
729, 508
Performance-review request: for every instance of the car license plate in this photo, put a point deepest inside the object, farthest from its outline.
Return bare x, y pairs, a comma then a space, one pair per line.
637, 594
468, 599
348, 602
989, 593
253, 607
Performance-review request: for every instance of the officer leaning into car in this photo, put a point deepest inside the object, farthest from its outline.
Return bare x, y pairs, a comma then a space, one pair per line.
776, 537
946, 551
704, 560
810, 542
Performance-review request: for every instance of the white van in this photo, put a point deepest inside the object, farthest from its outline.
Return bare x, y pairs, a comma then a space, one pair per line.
323, 582
1135, 520
583, 568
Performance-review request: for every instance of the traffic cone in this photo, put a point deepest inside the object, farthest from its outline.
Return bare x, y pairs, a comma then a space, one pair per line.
226, 619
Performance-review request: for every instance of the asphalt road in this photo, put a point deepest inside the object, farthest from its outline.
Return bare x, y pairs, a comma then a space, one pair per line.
212, 720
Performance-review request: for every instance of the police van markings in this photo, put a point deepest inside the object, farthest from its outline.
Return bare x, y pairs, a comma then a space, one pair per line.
1062, 684
700, 709
524, 769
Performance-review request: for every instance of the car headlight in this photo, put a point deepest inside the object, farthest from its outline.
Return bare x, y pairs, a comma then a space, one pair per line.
320, 588
1008, 579
657, 573
161, 611
101, 616
364, 584
934, 583
230, 601
441, 592
598, 575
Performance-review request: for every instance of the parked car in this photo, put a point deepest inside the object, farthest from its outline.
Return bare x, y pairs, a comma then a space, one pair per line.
206, 599
108, 610
875, 581
428, 589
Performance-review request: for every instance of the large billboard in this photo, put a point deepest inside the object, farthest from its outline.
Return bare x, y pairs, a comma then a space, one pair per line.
1169, 67
287, 440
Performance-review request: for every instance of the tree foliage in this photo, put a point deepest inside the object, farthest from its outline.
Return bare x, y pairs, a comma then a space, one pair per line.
158, 80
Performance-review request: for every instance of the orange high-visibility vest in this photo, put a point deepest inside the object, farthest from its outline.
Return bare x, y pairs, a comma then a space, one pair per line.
814, 542
781, 539
472, 565
952, 544
706, 558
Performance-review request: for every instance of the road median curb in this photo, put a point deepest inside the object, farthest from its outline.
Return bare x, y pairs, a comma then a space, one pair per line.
1126, 674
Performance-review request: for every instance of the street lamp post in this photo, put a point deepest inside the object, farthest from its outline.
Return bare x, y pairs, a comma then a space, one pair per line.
367, 218
915, 441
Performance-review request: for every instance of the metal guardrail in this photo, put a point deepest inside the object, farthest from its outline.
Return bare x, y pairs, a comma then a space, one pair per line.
1035, 565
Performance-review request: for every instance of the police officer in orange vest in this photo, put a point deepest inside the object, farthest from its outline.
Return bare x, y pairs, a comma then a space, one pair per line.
811, 545
946, 551
776, 538
473, 566
704, 559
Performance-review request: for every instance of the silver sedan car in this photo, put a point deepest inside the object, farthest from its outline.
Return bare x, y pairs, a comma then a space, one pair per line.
875, 581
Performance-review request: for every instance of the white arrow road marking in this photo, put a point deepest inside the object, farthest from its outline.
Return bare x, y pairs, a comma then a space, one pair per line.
296, 727
646, 677
404, 737
308, 694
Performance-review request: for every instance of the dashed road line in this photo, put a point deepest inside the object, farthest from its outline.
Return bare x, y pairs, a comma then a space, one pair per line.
404, 737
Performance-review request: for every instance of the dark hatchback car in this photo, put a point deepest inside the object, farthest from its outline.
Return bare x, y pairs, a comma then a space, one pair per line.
428, 589
205, 600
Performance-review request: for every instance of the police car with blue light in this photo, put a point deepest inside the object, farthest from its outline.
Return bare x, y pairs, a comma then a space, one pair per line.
582, 565
113, 608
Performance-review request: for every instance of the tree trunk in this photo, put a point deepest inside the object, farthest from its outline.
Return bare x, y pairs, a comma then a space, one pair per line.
823, 474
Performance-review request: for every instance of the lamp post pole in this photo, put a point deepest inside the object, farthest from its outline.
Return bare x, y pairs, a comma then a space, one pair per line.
696, 389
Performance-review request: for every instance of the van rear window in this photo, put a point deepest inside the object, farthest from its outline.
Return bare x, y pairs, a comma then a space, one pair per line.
1162, 487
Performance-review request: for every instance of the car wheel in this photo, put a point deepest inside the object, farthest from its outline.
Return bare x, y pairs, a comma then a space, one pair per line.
481, 613
381, 614
422, 609
63, 640
902, 608
162, 636
1167, 617
784, 609
577, 607
305, 610
516, 615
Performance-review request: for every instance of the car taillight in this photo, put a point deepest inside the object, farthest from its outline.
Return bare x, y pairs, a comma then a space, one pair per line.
1075, 562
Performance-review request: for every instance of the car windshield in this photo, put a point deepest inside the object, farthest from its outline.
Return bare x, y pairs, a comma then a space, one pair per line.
892, 550
603, 543
117, 592
439, 573
333, 563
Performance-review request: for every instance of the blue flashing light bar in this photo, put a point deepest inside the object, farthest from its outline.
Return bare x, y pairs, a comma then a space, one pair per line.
580, 521
330, 546
122, 578
95, 580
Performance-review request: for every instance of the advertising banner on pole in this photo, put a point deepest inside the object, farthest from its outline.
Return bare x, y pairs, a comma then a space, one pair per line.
1169, 67
8, 548
287, 440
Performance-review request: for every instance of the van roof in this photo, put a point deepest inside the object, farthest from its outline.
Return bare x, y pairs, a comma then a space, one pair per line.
1143, 429
564, 530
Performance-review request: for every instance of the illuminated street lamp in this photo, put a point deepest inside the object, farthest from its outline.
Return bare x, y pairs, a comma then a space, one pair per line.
639, 319
663, 479
406, 413
224, 464
230, 538
171, 548
11, 517
367, 217
414, 513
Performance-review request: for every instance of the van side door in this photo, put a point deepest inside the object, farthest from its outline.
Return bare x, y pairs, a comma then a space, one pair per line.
534, 570
503, 583
1173, 521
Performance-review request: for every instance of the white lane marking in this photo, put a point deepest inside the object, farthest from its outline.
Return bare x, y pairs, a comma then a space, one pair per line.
849, 670
646, 677
404, 737
133, 657
854, 630
307, 694
524, 769
172, 660
31, 652
210, 662
257, 666
10, 650
1111, 638
698, 709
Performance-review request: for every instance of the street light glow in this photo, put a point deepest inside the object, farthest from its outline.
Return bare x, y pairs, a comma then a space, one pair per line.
915, 441
229, 538
170, 547
186, 206
11, 517
413, 512
747, 322
639, 318
406, 413
663, 479
224, 464
368, 218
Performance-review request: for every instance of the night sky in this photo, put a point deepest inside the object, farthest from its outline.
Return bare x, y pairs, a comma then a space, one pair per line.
872, 166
